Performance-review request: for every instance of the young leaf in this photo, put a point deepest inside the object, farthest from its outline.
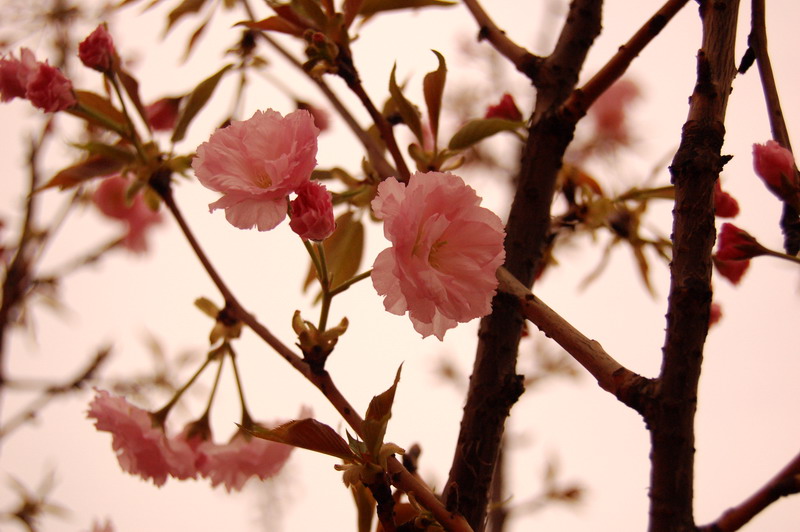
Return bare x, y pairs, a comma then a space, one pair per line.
343, 250
99, 111
351, 8
195, 102
308, 434
370, 7
433, 88
378, 414
184, 8
476, 130
93, 166
131, 86
406, 109
274, 23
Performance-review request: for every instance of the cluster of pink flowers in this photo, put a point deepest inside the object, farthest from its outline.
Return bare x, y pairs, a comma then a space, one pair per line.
257, 163
445, 251
111, 199
143, 448
38, 82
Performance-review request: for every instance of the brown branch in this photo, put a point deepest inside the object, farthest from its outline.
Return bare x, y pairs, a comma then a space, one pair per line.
757, 40
526, 62
581, 99
494, 385
786, 482
695, 168
400, 477
627, 386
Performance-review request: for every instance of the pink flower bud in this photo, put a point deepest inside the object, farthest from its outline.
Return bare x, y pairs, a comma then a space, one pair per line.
725, 205
732, 270
312, 212
49, 90
13, 78
97, 50
737, 244
506, 108
162, 114
774, 164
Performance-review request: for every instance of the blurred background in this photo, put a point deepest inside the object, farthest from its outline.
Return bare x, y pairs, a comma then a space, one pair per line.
142, 305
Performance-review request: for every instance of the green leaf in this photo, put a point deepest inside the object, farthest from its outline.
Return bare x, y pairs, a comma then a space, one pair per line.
186, 7
343, 250
93, 166
195, 102
370, 7
433, 88
377, 419
307, 434
408, 112
476, 130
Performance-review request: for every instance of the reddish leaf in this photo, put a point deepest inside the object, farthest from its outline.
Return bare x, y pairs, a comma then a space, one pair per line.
307, 434
274, 23
93, 166
433, 88
195, 102
99, 111
378, 414
131, 86
186, 7
370, 7
408, 112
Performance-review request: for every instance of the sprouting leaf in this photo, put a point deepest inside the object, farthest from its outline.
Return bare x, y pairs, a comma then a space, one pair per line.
99, 111
198, 32
343, 250
131, 86
476, 130
406, 109
351, 8
207, 307
433, 88
370, 7
311, 10
92, 166
378, 414
365, 504
186, 7
195, 102
274, 23
307, 434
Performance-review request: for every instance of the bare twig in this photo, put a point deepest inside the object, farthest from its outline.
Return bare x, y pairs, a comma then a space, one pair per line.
526, 62
786, 482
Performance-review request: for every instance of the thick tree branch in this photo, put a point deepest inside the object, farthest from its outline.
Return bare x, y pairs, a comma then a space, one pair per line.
494, 385
627, 386
695, 169
786, 482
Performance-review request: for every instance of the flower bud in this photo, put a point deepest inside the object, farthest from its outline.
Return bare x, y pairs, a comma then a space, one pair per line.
506, 109
774, 164
737, 244
97, 50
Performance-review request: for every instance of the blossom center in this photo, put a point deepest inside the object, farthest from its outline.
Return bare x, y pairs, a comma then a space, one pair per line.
433, 255
263, 179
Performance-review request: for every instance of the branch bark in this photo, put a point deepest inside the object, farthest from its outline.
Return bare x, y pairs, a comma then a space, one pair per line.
695, 169
494, 384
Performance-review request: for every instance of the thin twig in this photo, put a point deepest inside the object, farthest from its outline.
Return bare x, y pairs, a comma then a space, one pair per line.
786, 482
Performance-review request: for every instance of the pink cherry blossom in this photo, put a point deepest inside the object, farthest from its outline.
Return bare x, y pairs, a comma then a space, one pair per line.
312, 212
725, 205
142, 448
14, 76
732, 270
48, 89
110, 199
256, 164
609, 111
97, 50
235, 462
737, 244
774, 164
445, 251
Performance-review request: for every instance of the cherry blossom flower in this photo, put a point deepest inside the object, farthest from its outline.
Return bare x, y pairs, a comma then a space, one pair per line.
97, 50
243, 457
774, 164
732, 270
312, 212
14, 74
506, 108
110, 199
737, 244
256, 164
46, 87
141, 446
609, 111
445, 251
725, 205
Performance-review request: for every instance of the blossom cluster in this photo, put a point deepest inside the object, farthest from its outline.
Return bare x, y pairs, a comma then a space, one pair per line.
144, 449
45, 86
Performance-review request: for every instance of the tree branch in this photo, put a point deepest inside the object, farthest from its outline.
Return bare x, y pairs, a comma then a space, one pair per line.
786, 482
629, 387
695, 169
494, 385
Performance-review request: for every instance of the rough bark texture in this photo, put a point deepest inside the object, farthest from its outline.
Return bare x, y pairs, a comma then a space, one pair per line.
695, 169
494, 384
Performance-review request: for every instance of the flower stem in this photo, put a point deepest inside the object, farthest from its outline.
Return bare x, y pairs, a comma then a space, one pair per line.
161, 414
350, 282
